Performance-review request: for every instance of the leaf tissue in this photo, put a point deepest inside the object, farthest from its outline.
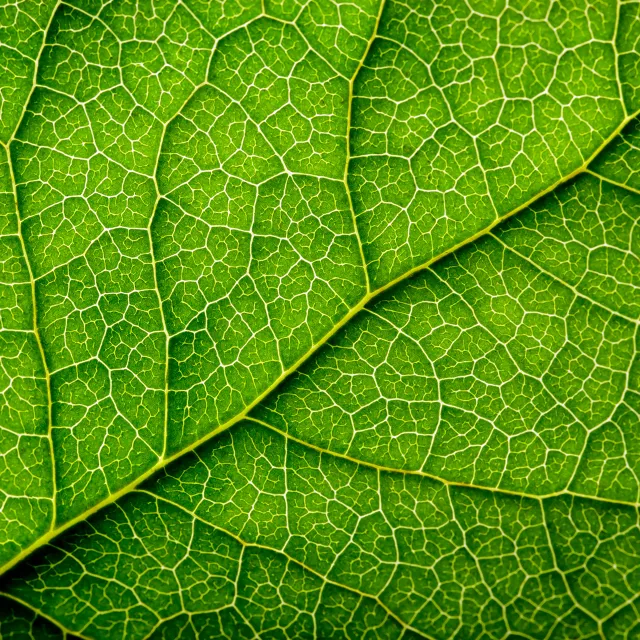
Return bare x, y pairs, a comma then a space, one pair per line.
320, 319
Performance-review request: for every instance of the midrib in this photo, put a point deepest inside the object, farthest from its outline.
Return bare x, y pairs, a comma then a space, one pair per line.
370, 296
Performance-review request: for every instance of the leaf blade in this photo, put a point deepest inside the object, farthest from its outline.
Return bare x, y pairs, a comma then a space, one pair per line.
583, 266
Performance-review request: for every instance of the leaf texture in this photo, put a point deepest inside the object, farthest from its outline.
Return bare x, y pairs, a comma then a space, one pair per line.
320, 319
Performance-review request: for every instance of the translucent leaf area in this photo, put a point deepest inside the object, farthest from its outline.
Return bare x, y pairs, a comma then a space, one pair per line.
319, 319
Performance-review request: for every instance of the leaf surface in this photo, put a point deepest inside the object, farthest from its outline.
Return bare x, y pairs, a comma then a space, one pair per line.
391, 251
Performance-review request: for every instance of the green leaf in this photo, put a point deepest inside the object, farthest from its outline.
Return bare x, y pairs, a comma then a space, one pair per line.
319, 320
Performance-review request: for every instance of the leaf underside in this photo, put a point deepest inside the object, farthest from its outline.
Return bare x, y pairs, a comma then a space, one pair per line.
319, 319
